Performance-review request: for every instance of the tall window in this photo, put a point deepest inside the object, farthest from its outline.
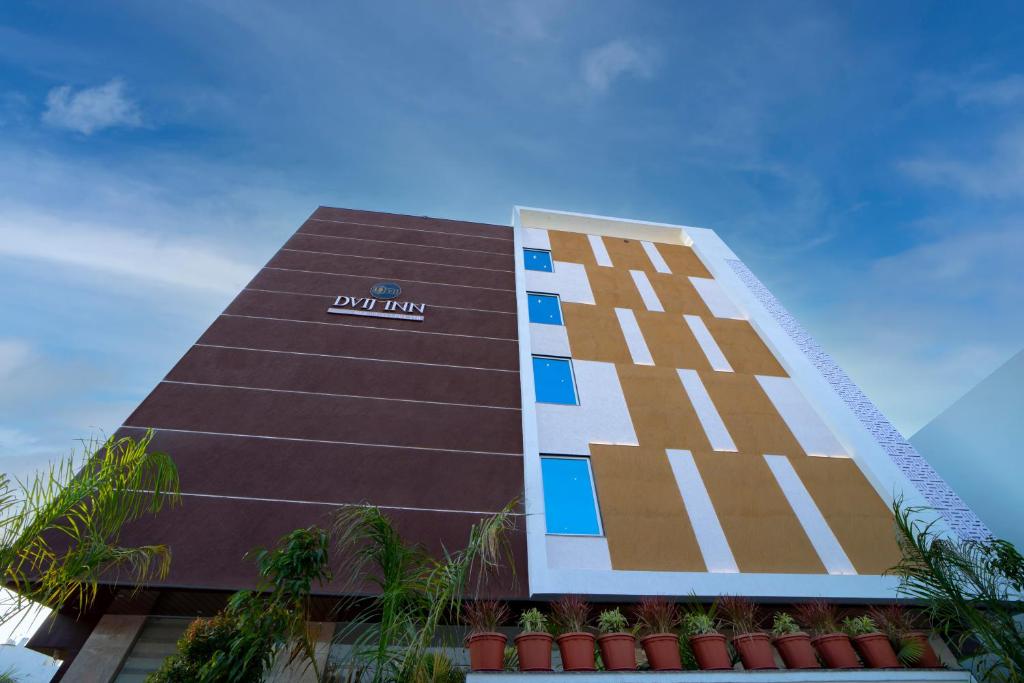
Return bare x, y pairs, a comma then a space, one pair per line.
553, 381
538, 259
570, 505
544, 309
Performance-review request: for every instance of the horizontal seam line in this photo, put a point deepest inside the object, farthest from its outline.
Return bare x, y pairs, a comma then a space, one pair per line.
363, 327
328, 393
422, 282
395, 227
372, 360
329, 504
329, 441
453, 308
399, 260
404, 244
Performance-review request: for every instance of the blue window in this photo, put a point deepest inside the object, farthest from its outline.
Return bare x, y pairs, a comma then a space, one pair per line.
552, 380
538, 259
544, 309
569, 504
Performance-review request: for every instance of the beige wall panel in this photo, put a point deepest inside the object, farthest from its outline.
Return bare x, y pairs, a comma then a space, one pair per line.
682, 260
859, 518
743, 347
628, 254
662, 414
614, 288
753, 422
678, 295
572, 247
671, 342
762, 530
643, 514
595, 333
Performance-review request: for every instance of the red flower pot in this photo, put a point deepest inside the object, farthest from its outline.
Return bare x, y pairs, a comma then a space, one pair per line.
797, 652
618, 651
711, 652
486, 651
662, 650
755, 650
928, 660
837, 652
534, 651
876, 651
577, 651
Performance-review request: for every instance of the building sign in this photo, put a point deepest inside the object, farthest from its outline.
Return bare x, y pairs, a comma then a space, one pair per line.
380, 304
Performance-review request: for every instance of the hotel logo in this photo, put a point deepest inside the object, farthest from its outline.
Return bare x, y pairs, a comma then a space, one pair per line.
385, 294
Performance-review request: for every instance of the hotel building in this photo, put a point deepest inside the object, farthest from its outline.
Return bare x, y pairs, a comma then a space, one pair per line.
666, 425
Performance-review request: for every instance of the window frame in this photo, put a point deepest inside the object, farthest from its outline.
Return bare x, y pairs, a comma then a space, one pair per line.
551, 259
558, 303
572, 377
593, 495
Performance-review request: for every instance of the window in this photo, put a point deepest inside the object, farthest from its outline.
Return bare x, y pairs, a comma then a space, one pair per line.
552, 380
544, 309
569, 502
538, 259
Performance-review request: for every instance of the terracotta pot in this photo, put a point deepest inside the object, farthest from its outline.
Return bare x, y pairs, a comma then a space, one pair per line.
711, 652
662, 650
577, 651
797, 652
836, 651
534, 651
618, 651
928, 660
876, 651
755, 650
486, 651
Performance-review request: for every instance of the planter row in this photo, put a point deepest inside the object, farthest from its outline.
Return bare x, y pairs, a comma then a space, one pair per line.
618, 651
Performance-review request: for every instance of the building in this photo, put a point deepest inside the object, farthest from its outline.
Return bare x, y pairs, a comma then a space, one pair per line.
670, 428
975, 443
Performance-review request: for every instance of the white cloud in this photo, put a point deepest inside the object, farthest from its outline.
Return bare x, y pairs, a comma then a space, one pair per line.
603, 65
119, 253
1001, 92
1000, 175
91, 109
14, 354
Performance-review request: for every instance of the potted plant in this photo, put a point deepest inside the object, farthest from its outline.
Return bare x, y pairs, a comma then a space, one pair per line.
534, 642
832, 644
617, 644
907, 638
709, 646
570, 614
486, 645
873, 645
657, 620
752, 644
794, 645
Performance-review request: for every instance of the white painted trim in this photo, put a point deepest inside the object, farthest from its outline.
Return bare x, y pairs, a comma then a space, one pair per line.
398, 260
431, 232
589, 224
634, 337
707, 343
647, 293
708, 415
714, 546
600, 251
656, 259
810, 430
360, 358
807, 513
362, 327
715, 298
384, 277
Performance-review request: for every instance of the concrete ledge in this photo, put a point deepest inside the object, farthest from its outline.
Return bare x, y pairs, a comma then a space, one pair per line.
737, 676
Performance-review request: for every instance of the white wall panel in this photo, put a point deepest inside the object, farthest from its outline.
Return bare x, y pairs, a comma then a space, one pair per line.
569, 281
717, 301
714, 546
707, 343
549, 340
536, 238
708, 415
578, 552
601, 416
634, 337
647, 293
656, 259
807, 513
802, 419
600, 252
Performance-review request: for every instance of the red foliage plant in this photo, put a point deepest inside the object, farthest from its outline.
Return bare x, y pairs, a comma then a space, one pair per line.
657, 615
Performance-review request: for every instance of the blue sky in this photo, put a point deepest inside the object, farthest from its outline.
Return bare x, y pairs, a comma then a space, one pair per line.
865, 159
